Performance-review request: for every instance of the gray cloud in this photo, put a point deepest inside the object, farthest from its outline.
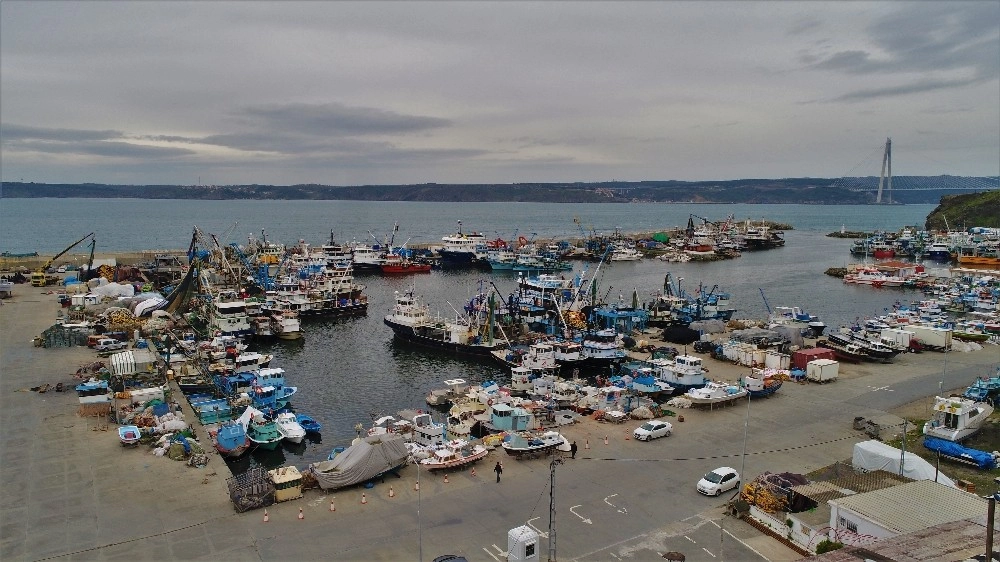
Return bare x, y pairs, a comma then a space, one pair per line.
337, 119
14, 132
916, 87
110, 149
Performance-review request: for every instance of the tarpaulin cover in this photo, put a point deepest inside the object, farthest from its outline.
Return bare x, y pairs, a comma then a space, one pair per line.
982, 459
360, 462
875, 455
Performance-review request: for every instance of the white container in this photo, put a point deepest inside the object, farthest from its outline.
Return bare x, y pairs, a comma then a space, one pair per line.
822, 370
775, 360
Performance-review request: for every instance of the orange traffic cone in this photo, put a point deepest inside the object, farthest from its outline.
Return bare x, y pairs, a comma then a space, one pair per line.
332, 507
416, 486
266, 516
364, 498
301, 515
586, 444
473, 471
392, 493
627, 436
605, 439
445, 478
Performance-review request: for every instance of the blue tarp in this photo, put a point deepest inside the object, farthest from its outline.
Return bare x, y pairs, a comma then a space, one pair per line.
982, 459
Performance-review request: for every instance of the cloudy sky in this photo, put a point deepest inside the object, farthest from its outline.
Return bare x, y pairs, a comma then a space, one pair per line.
409, 92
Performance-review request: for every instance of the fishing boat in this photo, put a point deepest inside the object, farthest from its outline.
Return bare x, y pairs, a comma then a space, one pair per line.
454, 453
625, 253
526, 444
956, 418
715, 393
230, 438
289, 428
454, 389
873, 277
851, 352
761, 386
308, 423
463, 248
470, 334
263, 432
129, 435
394, 264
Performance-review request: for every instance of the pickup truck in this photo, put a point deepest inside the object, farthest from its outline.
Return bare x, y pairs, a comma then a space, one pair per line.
108, 344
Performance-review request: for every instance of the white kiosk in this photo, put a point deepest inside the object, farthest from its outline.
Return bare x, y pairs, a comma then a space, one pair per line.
522, 544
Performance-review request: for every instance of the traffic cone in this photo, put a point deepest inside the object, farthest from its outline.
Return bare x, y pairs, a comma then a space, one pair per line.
332, 507
364, 498
266, 516
627, 436
605, 439
446, 478
473, 471
416, 486
301, 515
392, 493
586, 444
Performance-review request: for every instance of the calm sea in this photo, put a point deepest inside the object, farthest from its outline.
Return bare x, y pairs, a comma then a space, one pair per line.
347, 369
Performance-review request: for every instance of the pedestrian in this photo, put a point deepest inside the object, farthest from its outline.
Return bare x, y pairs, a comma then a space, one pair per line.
572, 450
499, 470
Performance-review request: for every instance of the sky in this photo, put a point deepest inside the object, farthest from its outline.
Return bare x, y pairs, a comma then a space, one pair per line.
345, 93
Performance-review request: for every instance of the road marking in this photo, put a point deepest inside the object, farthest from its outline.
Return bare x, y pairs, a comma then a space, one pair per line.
690, 539
620, 509
615, 556
708, 551
541, 533
491, 554
587, 521
500, 550
754, 550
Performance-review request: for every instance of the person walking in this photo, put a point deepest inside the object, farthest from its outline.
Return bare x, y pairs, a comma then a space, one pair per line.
499, 470
572, 450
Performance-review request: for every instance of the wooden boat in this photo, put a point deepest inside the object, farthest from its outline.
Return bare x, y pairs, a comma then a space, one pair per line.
263, 432
395, 264
129, 435
852, 353
230, 438
956, 418
527, 444
454, 453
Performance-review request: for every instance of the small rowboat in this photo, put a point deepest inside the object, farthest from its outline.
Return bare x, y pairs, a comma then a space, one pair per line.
129, 435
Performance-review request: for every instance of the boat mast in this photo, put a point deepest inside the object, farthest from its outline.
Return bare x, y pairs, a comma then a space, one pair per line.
886, 167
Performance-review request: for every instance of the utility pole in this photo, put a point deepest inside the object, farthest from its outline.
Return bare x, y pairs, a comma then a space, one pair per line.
552, 508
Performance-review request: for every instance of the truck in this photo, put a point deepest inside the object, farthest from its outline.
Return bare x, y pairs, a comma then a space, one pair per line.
938, 339
897, 338
822, 370
109, 344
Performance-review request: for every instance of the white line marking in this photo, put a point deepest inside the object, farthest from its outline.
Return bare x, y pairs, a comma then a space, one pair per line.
754, 550
491, 554
708, 551
582, 518
500, 550
690, 539
541, 533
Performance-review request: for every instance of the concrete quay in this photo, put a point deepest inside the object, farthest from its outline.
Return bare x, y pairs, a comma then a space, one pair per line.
73, 493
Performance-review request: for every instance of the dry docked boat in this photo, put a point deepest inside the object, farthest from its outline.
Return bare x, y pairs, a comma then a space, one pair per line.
530, 444
956, 419
715, 393
456, 452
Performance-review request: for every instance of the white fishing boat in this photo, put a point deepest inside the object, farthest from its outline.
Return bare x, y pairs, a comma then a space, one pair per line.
456, 452
530, 444
289, 428
625, 253
956, 419
715, 393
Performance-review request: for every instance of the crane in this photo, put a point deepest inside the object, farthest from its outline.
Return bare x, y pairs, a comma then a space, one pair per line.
39, 277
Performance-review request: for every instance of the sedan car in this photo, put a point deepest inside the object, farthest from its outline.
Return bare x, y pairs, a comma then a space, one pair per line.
652, 429
718, 481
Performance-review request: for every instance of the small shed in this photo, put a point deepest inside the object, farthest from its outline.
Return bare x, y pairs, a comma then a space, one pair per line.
132, 361
803, 356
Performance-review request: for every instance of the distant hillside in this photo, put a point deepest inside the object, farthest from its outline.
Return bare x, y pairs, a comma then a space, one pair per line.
786, 190
963, 211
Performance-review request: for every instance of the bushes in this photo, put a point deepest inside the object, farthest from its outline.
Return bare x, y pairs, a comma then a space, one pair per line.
827, 545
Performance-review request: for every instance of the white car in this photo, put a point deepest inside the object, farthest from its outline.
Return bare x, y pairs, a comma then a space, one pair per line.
61, 269
652, 429
718, 481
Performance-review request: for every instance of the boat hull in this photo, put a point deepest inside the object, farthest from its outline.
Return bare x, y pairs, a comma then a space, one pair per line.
410, 335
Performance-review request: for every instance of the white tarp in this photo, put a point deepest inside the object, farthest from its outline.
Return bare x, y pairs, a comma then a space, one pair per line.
876, 455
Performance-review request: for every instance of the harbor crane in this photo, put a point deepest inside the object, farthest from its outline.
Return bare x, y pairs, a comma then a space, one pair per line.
41, 278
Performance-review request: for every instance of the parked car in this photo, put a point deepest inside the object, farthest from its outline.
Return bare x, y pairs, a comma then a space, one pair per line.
652, 429
61, 269
108, 344
718, 481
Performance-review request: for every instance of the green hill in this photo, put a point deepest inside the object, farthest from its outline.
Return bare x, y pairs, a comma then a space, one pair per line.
967, 210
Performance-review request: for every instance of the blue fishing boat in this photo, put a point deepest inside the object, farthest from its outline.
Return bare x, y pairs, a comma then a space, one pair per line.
230, 438
308, 423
